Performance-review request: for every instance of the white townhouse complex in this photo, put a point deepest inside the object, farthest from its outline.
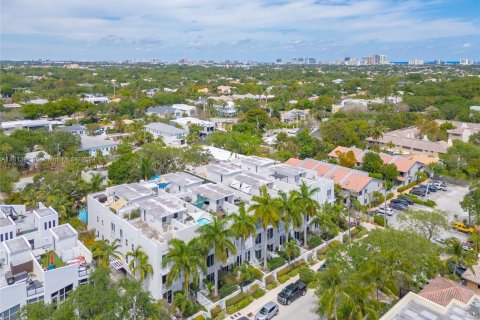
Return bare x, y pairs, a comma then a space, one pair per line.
172, 136
30, 240
175, 205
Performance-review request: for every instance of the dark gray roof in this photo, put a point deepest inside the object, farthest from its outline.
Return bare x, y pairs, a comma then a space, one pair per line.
72, 128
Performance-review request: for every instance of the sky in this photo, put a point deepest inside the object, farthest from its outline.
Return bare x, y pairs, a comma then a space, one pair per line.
260, 30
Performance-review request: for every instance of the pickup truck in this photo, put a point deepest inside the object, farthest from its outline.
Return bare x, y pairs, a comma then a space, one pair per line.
292, 292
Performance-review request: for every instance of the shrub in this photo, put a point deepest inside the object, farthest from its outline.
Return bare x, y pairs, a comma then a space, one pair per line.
257, 274
275, 263
258, 293
270, 279
428, 202
379, 220
226, 289
323, 250
389, 195
240, 305
334, 243
289, 268
272, 285
199, 317
235, 299
345, 237
314, 242
220, 316
361, 234
283, 278
408, 186
307, 275
215, 311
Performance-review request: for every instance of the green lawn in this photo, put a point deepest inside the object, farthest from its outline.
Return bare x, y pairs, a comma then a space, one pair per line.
45, 260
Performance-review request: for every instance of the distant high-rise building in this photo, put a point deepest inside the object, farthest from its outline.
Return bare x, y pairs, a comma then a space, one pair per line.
415, 62
466, 62
278, 61
438, 61
312, 61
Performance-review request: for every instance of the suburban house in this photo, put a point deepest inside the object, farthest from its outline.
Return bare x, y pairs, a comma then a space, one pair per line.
407, 166
94, 144
75, 129
225, 89
96, 99
208, 126
357, 183
294, 115
29, 239
171, 135
175, 110
408, 140
228, 110
471, 277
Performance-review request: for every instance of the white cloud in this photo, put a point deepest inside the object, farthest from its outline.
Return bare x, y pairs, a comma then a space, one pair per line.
466, 45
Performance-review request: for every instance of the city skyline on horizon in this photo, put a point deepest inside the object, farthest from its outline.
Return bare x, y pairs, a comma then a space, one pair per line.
324, 30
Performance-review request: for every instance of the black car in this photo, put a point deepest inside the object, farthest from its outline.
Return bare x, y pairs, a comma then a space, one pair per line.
398, 206
419, 192
292, 292
459, 270
399, 201
431, 187
407, 199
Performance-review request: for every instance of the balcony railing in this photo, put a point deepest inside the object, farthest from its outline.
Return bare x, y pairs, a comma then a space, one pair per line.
33, 290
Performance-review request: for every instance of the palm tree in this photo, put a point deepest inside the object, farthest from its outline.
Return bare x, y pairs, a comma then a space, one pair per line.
306, 201
290, 211
243, 226
266, 210
359, 304
325, 217
146, 167
243, 273
96, 182
103, 250
139, 263
458, 255
330, 291
186, 259
217, 235
377, 132
291, 250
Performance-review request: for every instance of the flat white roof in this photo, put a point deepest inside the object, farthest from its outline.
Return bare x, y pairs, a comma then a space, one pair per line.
223, 169
213, 191
181, 178
187, 120
29, 123
258, 161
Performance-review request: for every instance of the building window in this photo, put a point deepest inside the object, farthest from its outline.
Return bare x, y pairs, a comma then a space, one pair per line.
164, 219
329, 193
121, 233
45, 226
175, 215
270, 233
282, 239
11, 314
247, 256
258, 254
112, 227
258, 239
270, 247
210, 260
62, 294
53, 223
11, 234
98, 219
164, 279
126, 242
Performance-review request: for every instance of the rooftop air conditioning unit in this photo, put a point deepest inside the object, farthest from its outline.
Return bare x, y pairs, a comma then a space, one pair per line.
10, 278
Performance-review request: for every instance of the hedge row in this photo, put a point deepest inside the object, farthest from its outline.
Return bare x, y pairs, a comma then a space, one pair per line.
323, 251
240, 305
243, 299
408, 186
428, 202
215, 311
379, 220
290, 267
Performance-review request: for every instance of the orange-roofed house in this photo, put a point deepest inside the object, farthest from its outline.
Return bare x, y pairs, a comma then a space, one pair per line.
356, 182
442, 291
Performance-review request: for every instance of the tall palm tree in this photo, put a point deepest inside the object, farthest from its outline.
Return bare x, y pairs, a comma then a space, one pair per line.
377, 132
306, 201
243, 226
330, 291
217, 235
266, 210
103, 250
146, 167
359, 304
186, 260
326, 216
139, 263
290, 211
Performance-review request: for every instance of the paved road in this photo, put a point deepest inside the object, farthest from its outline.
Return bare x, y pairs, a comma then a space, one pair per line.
304, 308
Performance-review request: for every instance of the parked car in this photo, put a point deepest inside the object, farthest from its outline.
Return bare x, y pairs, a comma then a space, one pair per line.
292, 292
460, 268
398, 206
399, 201
431, 187
419, 192
407, 199
322, 267
438, 241
385, 210
459, 226
268, 311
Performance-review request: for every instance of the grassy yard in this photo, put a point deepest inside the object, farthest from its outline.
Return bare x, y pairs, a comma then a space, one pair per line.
45, 260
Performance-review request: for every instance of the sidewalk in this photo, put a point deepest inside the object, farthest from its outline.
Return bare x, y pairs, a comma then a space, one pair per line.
271, 295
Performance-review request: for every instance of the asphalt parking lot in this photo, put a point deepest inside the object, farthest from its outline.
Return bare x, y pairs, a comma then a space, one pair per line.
447, 201
304, 308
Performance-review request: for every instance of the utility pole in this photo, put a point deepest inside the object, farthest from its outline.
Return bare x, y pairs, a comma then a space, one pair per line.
384, 204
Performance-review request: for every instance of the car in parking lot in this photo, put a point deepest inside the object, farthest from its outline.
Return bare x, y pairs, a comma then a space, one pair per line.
292, 292
440, 185
431, 187
438, 241
407, 199
398, 206
384, 210
419, 192
399, 201
268, 311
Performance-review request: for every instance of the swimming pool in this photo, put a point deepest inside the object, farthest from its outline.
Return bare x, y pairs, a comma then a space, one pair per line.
83, 214
203, 221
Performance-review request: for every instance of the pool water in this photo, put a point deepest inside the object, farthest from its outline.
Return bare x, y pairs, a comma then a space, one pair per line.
83, 214
203, 221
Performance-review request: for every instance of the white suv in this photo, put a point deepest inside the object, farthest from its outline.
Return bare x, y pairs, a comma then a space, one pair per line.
383, 210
